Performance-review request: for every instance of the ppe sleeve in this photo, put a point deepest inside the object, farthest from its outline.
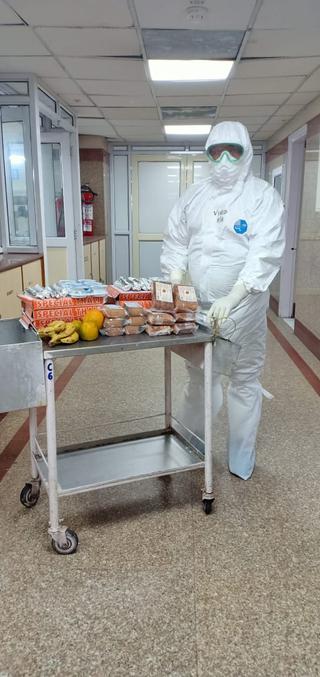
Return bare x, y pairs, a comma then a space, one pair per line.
174, 255
266, 244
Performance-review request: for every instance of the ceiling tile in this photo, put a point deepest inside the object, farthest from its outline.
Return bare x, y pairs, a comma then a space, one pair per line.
62, 85
91, 41
289, 14
255, 99
7, 16
290, 110
233, 14
45, 66
303, 97
20, 40
247, 110
264, 85
312, 84
262, 136
127, 101
138, 124
245, 119
188, 88
195, 44
128, 113
105, 69
251, 68
95, 127
189, 100
112, 87
147, 138
282, 43
87, 111
77, 99
74, 12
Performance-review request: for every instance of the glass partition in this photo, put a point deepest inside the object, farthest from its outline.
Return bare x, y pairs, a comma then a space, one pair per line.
53, 189
18, 174
307, 294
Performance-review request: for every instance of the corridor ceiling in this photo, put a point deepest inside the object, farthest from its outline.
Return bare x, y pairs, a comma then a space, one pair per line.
93, 53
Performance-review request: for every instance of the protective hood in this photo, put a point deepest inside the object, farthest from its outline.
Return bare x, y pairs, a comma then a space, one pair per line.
226, 174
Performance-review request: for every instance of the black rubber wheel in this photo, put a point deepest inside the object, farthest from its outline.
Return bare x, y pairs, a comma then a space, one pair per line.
207, 505
71, 545
27, 498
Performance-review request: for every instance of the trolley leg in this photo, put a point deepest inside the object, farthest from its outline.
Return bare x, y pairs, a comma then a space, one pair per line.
31, 491
32, 440
167, 386
64, 541
207, 494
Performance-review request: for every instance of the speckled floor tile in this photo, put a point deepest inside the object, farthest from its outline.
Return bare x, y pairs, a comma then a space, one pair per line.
157, 588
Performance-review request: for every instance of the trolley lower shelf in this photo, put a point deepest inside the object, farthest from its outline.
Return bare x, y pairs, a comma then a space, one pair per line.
128, 461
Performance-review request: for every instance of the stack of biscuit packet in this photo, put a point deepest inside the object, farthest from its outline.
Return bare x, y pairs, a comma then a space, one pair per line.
173, 310
127, 319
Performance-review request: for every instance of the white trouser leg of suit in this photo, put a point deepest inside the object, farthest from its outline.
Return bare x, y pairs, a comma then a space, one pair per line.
244, 398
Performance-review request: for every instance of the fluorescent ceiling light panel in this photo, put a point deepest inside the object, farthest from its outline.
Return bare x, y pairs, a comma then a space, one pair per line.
186, 130
167, 70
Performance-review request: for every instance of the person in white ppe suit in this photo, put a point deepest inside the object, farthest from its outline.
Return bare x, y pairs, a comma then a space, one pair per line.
227, 232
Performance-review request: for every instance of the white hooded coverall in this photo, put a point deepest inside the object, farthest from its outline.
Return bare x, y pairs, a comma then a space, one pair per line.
224, 229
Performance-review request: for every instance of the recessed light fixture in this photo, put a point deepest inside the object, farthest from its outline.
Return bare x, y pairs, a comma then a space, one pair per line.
187, 130
168, 70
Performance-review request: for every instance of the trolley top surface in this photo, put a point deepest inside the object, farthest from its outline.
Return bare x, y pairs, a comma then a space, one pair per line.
115, 344
12, 333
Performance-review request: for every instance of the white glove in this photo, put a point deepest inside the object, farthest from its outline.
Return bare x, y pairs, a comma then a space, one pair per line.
221, 309
176, 276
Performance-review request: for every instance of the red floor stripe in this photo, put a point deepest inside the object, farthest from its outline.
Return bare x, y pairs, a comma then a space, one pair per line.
21, 437
307, 372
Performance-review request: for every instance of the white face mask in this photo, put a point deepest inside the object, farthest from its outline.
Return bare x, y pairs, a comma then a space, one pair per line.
225, 173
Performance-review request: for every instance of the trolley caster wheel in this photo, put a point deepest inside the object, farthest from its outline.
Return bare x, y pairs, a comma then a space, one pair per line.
28, 497
207, 505
70, 546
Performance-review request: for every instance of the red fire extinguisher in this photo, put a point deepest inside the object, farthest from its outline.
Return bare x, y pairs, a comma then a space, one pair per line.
87, 198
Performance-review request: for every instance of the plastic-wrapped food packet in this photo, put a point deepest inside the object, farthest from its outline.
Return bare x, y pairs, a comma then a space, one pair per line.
136, 321
155, 317
185, 328
158, 330
131, 329
134, 309
185, 297
112, 331
114, 322
187, 316
162, 297
111, 310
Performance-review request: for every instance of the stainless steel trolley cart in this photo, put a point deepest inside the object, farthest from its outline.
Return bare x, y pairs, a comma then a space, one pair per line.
117, 460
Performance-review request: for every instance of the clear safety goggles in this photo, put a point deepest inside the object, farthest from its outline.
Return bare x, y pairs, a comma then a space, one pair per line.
233, 151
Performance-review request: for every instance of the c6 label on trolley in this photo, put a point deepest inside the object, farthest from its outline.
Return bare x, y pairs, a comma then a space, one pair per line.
50, 371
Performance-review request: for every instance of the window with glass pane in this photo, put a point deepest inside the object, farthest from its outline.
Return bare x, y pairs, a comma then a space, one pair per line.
16, 162
53, 189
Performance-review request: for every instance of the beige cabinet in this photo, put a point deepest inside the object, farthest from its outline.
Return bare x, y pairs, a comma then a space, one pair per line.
102, 260
31, 274
95, 260
87, 261
10, 286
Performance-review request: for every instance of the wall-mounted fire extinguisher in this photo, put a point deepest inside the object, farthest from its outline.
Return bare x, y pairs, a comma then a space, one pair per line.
87, 198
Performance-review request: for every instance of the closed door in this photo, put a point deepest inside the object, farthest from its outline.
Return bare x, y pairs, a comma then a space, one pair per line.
10, 286
31, 274
95, 260
57, 191
158, 182
102, 260
87, 261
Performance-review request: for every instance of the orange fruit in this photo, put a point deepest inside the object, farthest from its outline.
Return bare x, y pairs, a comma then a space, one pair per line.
95, 316
88, 331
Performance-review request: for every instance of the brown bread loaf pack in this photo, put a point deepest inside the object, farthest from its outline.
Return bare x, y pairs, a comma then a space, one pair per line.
185, 297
